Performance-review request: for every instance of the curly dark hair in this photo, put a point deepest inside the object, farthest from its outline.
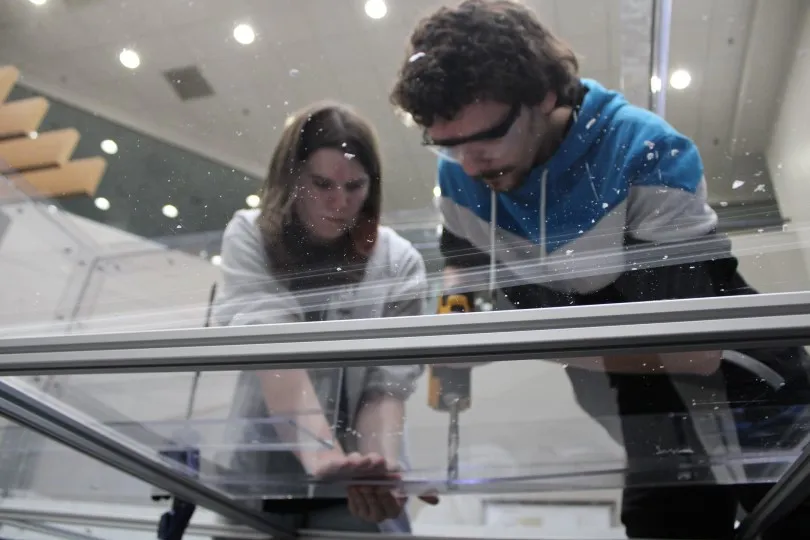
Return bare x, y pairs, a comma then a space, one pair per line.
482, 50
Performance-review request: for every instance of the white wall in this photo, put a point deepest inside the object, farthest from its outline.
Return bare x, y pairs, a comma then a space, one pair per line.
788, 155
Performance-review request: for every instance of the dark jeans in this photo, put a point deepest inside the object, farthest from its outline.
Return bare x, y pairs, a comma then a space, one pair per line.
700, 509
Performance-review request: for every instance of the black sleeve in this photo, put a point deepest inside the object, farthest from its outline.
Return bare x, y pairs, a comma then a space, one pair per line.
713, 278
459, 252
710, 277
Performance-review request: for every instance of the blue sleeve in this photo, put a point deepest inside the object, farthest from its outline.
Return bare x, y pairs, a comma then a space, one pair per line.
668, 199
445, 177
669, 160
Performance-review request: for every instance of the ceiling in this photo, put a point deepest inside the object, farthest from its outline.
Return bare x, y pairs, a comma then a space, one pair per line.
312, 49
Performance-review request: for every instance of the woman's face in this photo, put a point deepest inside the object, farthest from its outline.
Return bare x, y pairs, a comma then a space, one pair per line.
331, 192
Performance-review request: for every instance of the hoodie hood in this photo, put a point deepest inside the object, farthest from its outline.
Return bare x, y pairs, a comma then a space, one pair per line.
597, 110
591, 119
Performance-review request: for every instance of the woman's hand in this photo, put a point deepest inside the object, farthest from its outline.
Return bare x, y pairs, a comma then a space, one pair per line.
372, 503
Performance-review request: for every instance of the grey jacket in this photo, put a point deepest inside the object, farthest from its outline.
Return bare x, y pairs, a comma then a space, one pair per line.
395, 284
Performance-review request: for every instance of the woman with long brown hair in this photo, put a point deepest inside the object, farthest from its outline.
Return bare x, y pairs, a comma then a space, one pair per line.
315, 251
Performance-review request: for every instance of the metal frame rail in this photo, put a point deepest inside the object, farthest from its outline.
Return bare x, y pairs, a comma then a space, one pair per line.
675, 325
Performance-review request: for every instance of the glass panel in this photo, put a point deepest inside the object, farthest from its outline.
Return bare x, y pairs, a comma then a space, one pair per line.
51, 491
545, 431
46, 257
213, 425
192, 227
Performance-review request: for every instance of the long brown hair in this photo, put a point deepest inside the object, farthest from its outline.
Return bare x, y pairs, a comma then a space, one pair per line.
321, 125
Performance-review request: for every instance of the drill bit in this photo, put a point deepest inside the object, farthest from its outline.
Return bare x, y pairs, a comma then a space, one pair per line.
453, 444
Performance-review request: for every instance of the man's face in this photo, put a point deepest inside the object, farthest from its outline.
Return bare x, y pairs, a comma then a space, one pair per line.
491, 141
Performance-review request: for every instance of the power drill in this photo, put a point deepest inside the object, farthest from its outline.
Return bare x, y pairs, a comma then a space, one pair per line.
450, 388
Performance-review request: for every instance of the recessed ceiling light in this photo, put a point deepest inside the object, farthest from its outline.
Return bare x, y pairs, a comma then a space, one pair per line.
253, 201
38, 2
655, 84
437, 191
129, 58
108, 146
680, 79
244, 34
216, 260
376, 9
407, 119
102, 203
170, 211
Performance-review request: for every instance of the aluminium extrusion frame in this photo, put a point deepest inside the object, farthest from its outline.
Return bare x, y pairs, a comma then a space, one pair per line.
80, 433
146, 524
102, 520
792, 489
49, 530
556, 333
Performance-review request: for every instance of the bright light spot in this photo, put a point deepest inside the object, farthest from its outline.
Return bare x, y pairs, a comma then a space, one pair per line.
288, 121
129, 58
437, 191
680, 79
253, 201
170, 211
244, 34
108, 146
407, 119
376, 9
102, 203
38, 2
655, 84
439, 229
216, 260
33, 135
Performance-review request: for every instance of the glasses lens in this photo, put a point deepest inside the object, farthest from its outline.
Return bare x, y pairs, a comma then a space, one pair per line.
451, 154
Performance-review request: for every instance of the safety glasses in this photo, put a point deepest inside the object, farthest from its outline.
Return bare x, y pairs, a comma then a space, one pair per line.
489, 143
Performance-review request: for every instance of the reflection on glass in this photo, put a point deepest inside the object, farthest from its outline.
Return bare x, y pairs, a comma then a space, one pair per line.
547, 431
314, 251
555, 188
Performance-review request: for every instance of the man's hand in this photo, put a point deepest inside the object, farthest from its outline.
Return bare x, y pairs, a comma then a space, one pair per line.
370, 503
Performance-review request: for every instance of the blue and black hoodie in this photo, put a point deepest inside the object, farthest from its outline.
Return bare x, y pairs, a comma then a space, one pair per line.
618, 214
621, 173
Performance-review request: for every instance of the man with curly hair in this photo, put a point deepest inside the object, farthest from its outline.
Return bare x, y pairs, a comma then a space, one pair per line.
552, 184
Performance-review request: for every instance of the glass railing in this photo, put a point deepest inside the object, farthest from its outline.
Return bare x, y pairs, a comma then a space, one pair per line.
191, 415
157, 353
744, 423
